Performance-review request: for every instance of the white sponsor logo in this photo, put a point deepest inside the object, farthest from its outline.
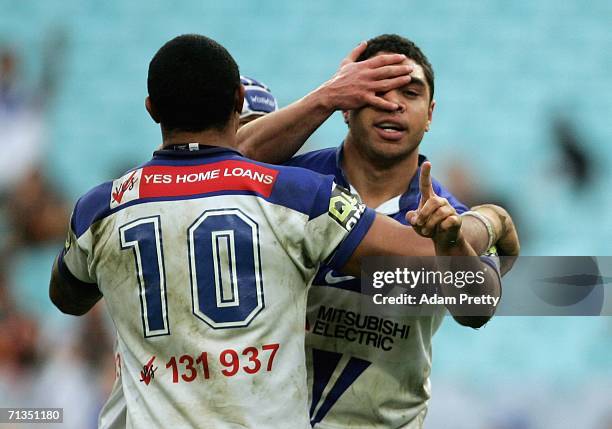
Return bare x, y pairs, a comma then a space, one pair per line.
331, 279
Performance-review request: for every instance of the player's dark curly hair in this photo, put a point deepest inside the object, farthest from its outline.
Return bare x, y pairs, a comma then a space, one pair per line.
400, 45
192, 83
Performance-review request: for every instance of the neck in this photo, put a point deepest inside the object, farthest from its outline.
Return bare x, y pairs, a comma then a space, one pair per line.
210, 137
377, 180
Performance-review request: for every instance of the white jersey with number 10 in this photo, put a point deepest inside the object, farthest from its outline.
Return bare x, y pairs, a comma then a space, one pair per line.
204, 259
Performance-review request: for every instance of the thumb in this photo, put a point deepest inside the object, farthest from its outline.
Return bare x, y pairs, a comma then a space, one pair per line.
411, 217
354, 54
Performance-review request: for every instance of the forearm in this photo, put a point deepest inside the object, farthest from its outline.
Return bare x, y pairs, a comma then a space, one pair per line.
276, 137
472, 314
475, 233
488, 291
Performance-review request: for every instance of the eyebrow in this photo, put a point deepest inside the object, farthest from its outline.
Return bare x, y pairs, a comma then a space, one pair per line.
417, 81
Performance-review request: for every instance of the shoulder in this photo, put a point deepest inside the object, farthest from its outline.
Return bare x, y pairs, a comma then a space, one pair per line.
300, 189
322, 161
92, 206
104, 199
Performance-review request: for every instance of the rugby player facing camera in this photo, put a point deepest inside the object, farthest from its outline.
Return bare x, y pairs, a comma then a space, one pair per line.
384, 87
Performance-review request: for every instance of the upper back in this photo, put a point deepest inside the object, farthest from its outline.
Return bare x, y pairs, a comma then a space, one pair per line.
204, 261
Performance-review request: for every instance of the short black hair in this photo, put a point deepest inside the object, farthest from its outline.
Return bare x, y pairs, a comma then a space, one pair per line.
192, 83
400, 45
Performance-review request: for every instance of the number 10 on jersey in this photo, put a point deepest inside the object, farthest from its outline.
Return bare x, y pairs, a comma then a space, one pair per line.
224, 266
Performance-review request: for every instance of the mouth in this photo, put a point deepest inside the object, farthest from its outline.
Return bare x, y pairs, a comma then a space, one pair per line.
390, 130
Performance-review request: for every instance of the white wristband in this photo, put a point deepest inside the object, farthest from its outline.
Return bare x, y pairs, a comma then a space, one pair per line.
487, 223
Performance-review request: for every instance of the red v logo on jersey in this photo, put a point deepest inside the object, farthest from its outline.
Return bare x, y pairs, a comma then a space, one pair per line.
148, 372
119, 191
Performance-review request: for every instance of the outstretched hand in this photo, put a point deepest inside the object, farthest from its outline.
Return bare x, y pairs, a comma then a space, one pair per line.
435, 218
358, 84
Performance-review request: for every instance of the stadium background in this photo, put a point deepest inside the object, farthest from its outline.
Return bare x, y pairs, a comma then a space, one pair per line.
524, 101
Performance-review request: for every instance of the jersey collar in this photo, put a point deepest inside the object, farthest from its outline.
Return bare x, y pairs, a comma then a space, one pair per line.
406, 201
202, 151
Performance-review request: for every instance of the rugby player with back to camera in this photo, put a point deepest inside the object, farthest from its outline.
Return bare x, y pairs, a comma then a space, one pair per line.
204, 257
349, 351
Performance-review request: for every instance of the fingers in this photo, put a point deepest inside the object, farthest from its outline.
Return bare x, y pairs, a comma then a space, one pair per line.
358, 84
387, 85
391, 71
383, 86
428, 209
380, 103
384, 60
354, 54
437, 217
425, 185
450, 223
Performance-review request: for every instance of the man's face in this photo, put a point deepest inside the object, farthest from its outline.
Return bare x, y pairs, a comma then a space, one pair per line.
392, 136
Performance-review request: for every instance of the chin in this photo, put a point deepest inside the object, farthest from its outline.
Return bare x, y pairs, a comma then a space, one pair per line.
392, 151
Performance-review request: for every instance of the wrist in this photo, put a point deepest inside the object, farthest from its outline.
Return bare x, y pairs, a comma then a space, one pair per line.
322, 100
457, 247
486, 225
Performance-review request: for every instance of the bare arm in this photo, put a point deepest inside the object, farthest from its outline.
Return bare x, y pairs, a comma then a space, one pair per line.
505, 234
70, 295
436, 219
276, 137
388, 237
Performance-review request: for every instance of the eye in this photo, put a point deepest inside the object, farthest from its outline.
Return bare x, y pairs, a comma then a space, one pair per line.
411, 93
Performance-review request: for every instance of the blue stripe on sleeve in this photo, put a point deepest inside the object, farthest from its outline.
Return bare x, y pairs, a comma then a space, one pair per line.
351, 241
493, 262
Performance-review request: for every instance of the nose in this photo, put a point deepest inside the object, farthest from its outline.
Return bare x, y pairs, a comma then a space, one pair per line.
394, 96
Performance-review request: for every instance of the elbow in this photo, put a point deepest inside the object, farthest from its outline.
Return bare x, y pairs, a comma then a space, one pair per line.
474, 322
69, 310
63, 304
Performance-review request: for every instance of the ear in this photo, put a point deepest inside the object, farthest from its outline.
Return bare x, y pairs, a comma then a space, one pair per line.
151, 109
432, 105
239, 99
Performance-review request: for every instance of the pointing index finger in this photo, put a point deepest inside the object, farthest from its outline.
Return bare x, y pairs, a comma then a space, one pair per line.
425, 185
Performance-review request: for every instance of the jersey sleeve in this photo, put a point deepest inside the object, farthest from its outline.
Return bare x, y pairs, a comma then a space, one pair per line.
337, 225
73, 261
